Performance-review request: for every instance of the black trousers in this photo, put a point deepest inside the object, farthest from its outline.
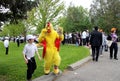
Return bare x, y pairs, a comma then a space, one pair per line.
31, 68
95, 52
87, 40
18, 44
7, 49
113, 48
84, 41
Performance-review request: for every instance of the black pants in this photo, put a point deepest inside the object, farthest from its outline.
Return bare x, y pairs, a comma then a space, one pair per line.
7, 49
95, 52
18, 44
84, 41
87, 40
31, 68
113, 48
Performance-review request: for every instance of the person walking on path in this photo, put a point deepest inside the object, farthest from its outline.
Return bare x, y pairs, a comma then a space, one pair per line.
28, 54
114, 45
95, 42
6, 45
104, 41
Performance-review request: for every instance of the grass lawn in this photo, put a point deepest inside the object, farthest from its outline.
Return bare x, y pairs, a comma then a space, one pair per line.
13, 67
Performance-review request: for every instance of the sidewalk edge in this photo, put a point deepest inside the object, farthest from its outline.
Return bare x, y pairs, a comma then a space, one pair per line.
78, 64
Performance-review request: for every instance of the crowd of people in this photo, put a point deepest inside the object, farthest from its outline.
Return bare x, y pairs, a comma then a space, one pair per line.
78, 38
97, 39
50, 39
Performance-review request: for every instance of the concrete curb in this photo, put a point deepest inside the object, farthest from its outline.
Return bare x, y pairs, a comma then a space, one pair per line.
76, 65
49, 77
72, 67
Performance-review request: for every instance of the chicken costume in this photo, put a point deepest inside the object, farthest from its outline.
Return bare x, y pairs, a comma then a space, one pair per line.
50, 39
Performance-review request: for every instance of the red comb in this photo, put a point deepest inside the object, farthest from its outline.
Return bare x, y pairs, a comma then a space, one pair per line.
48, 24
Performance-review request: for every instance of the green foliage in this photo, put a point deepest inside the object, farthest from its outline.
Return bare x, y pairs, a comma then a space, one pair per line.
13, 29
105, 13
13, 67
47, 10
76, 19
71, 54
18, 9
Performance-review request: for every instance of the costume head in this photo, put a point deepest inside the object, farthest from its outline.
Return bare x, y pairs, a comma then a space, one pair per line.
49, 27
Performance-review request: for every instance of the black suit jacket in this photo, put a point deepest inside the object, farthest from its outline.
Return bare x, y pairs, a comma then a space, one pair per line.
96, 38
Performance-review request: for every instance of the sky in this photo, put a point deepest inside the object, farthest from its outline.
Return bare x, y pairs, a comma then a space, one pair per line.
84, 3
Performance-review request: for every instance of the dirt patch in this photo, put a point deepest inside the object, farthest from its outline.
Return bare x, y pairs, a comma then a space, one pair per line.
3, 78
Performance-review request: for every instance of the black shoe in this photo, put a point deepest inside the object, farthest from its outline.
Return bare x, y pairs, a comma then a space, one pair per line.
110, 57
96, 60
46, 73
116, 58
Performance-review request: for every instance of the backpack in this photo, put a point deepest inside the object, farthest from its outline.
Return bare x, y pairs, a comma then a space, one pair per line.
109, 37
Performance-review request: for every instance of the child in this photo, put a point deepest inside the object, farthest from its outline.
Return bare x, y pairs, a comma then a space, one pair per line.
6, 44
28, 53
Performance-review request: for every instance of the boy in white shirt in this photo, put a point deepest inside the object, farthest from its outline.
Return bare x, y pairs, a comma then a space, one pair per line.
28, 53
6, 45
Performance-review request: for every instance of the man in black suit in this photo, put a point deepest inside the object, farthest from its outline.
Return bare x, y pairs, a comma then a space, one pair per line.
95, 42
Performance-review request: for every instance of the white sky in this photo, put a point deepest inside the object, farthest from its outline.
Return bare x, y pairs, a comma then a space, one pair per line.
84, 3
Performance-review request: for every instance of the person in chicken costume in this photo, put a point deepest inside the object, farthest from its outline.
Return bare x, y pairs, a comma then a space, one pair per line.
51, 39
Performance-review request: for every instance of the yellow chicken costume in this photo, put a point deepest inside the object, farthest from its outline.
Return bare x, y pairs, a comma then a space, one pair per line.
50, 40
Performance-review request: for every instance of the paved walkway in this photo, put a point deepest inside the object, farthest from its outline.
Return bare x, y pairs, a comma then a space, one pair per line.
103, 70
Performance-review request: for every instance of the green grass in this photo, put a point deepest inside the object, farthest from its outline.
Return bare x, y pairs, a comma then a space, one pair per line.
13, 67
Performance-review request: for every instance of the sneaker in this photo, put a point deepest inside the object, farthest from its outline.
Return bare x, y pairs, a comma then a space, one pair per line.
116, 58
47, 71
56, 71
59, 73
93, 59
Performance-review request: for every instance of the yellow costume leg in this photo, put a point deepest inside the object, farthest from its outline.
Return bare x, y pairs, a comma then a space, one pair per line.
48, 61
56, 63
47, 67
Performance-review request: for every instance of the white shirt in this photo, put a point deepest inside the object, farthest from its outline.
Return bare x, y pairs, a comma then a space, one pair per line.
70, 35
29, 50
84, 34
6, 43
104, 40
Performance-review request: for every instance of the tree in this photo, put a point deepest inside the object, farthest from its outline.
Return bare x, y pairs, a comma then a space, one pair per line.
47, 11
75, 19
13, 29
105, 13
13, 10
17, 12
